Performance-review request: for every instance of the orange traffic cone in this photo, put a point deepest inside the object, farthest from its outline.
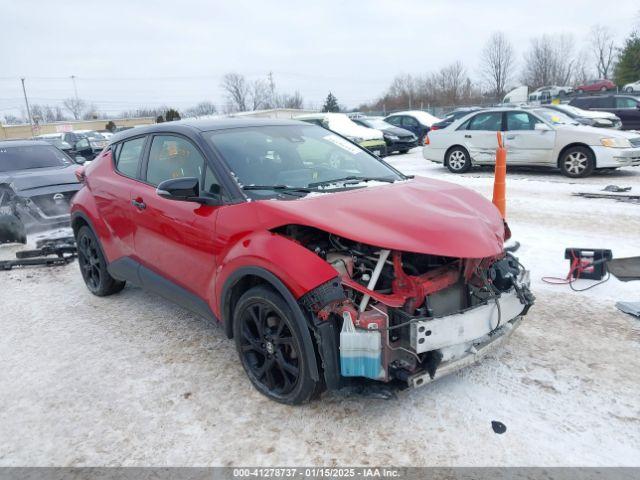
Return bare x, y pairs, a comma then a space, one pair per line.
500, 179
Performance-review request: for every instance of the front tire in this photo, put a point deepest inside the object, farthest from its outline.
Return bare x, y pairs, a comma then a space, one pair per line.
577, 162
269, 342
458, 160
93, 265
629, 90
603, 89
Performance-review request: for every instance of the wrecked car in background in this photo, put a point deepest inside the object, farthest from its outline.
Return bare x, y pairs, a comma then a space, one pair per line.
324, 263
37, 181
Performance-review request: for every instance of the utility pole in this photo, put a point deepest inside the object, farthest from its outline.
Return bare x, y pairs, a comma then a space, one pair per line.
75, 88
26, 102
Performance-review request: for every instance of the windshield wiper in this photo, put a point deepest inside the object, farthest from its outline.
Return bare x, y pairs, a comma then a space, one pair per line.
278, 188
351, 178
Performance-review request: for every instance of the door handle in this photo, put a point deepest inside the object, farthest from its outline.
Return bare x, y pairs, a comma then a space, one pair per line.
139, 204
467, 136
510, 137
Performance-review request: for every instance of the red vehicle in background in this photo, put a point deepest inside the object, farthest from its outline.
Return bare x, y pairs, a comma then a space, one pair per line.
324, 263
601, 85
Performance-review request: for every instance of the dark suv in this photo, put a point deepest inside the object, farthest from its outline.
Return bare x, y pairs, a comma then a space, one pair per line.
627, 107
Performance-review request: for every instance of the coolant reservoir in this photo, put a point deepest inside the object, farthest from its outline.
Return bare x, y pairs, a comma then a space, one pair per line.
360, 351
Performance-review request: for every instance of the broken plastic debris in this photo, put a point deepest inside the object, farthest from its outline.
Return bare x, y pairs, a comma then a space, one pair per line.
632, 308
615, 188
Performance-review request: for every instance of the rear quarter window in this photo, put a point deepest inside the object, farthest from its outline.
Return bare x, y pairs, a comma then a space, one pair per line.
127, 156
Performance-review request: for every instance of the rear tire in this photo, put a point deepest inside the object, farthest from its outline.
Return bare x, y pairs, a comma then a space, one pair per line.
580, 91
93, 265
269, 342
577, 162
403, 151
457, 160
603, 89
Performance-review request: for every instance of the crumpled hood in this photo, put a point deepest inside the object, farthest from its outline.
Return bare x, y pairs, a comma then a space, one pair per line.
420, 215
25, 180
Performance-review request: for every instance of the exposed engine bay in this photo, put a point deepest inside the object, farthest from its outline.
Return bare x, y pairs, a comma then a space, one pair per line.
412, 317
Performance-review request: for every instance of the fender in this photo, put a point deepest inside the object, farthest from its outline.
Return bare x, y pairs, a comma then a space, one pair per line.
299, 269
84, 206
280, 287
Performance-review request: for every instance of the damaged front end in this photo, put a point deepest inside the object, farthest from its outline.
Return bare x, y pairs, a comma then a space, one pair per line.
408, 317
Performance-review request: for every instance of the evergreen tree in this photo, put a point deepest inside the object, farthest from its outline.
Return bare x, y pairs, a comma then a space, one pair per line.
331, 104
171, 115
628, 67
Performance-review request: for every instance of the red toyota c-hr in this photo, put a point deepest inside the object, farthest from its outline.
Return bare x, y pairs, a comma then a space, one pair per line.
324, 263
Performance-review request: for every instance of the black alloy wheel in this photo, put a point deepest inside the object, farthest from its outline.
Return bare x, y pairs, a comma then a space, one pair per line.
93, 265
270, 347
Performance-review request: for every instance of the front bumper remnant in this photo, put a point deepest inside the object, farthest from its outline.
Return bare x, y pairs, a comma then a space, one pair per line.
465, 326
473, 355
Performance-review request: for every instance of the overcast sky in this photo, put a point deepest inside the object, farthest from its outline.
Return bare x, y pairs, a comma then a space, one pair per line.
147, 53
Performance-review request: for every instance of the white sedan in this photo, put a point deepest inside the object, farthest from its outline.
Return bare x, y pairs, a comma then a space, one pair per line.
632, 87
538, 136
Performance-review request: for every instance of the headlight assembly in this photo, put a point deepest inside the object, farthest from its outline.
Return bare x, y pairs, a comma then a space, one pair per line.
615, 142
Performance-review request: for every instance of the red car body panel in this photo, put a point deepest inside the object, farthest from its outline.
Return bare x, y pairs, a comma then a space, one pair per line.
597, 86
198, 247
420, 215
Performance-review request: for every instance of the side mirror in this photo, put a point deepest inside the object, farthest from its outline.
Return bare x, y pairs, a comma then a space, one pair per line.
542, 127
79, 159
185, 189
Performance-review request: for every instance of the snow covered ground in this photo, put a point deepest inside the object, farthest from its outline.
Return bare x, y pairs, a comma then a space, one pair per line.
134, 380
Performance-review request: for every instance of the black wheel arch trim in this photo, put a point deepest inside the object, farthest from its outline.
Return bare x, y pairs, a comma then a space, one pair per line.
85, 218
288, 297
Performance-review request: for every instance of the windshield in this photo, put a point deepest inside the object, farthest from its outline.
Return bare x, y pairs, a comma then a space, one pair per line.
555, 117
376, 123
93, 135
304, 156
32, 156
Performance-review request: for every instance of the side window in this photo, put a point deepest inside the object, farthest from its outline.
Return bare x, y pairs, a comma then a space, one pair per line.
626, 102
128, 156
489, 121
520, 121
173, 157
465, 125
211, 185
83, 144
394, 121
409, 122
603, 102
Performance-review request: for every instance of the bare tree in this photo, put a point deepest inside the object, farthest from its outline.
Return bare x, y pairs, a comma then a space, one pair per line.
549, 61
91, 112
11, 119
289, 101
237, 91
452, 81
497, 63
260, 94
201, 109
75, 106
604, 50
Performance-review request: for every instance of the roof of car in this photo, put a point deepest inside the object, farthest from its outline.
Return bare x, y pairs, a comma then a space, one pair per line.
23, 143
202, 125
